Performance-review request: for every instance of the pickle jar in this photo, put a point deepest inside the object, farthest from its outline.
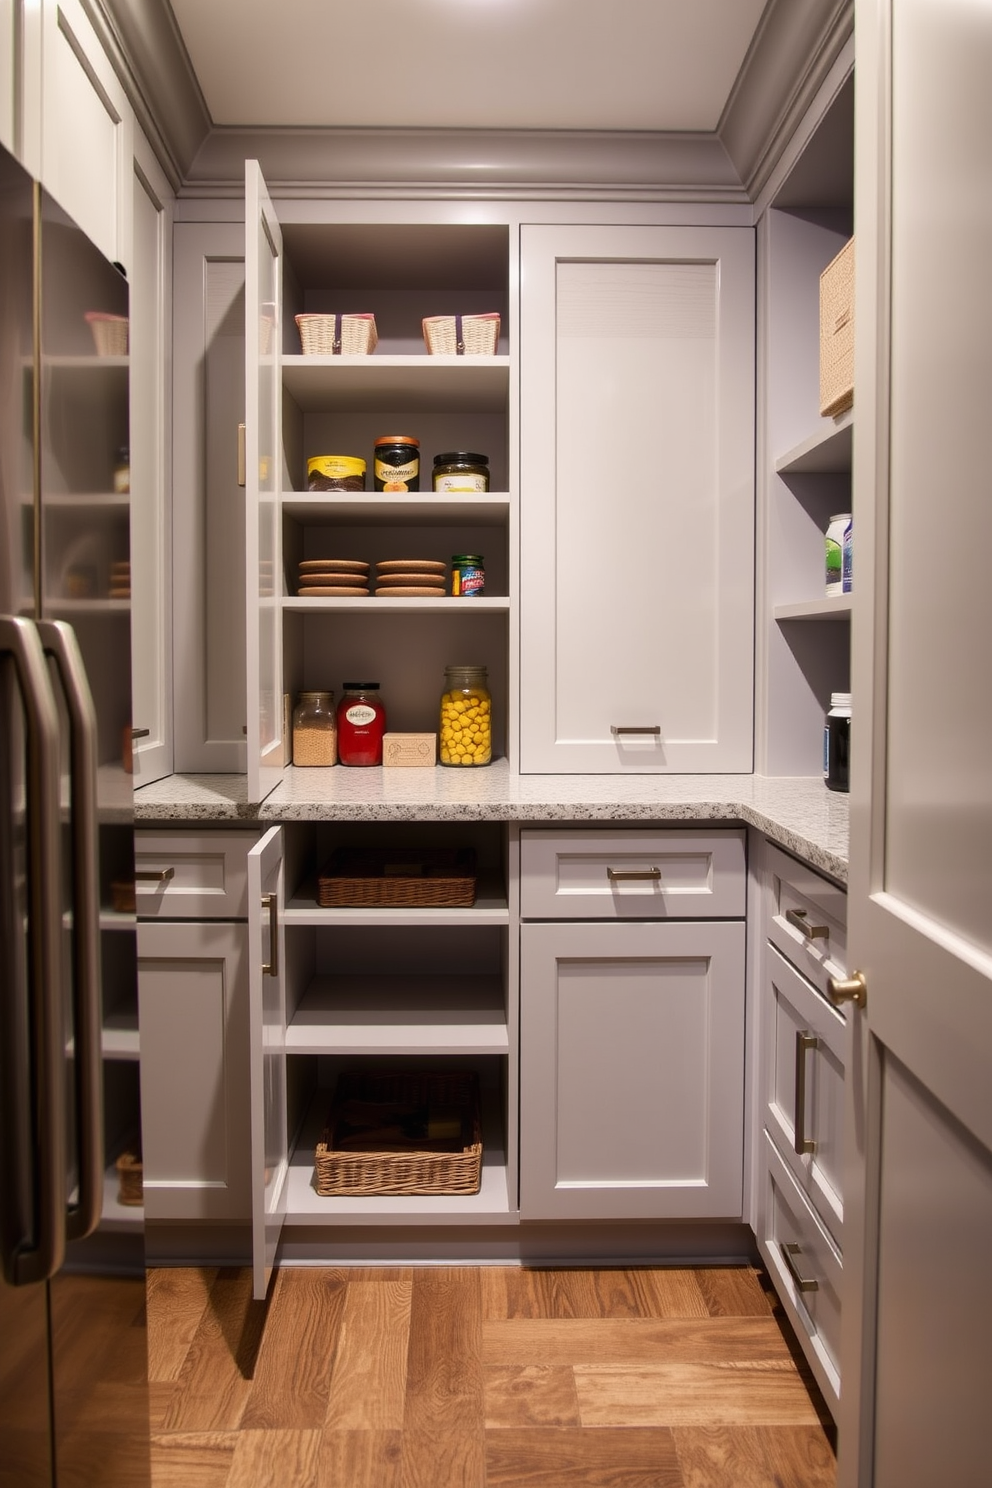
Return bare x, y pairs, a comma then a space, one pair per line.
466, 724
315, 730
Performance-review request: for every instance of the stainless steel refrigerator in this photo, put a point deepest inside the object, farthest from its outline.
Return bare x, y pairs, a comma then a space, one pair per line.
73, 1356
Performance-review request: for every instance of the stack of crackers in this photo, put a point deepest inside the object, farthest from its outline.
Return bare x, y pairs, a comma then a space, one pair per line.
334, 578
405, 578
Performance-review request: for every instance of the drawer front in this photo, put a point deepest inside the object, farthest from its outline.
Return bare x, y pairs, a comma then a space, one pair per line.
806, 1045
807, 919
805, 1269
629, 875
192, 875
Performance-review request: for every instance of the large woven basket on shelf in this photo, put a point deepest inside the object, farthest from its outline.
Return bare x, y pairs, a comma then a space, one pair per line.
462, 335
837, 333
337, 335
346, 1163
359, 878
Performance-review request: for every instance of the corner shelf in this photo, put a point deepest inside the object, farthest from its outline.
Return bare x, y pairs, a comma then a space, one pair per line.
815, 609
827, 451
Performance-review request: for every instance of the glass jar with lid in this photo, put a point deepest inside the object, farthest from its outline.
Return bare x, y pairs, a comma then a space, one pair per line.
466, 723
458, 472
315, 730
361, 724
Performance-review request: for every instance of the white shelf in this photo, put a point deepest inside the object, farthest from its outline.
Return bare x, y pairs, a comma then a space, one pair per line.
372, 603
304, 1206
828, 451
457, 384
490, 908
118, 1216
119, 1036
400, 1015
328, 508
88, 501
815, 609
76, 608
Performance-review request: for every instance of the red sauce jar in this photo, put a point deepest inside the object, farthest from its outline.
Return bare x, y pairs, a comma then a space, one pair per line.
361, 724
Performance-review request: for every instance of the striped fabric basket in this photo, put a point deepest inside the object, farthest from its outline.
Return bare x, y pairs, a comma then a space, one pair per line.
337, 335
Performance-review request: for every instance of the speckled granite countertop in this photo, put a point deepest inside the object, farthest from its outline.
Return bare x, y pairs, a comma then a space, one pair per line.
797, 812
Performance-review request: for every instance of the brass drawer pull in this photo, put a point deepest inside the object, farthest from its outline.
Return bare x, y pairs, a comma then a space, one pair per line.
797, 919
270, 902
155, 876
633, 728
623, 875
804, 1283
804, 1042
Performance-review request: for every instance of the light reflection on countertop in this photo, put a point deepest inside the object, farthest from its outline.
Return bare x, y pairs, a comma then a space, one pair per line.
796, 812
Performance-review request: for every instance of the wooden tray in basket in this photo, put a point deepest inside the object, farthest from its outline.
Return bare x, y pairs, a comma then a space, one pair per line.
401, 1133
398, 878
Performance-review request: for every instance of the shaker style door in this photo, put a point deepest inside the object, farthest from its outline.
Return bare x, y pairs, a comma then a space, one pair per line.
637, 499
267, 1017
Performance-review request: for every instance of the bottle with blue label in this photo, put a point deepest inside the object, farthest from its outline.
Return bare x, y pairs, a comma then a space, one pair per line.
837, 743
835, 553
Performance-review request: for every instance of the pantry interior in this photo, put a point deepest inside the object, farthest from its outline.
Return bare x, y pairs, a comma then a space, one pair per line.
729, 1128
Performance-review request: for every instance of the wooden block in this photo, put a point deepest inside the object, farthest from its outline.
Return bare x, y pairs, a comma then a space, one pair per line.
292, 1378
721, 1454
360, 1459
444, 1364
368, 1382
568, 1457
620, 1341
409, 751
177, 1298
733, 1291
192, 1459
215, 1381
271, 1459
761, 1394
530, 1395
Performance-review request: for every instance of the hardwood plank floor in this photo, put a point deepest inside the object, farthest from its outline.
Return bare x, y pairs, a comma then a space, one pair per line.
491, 1377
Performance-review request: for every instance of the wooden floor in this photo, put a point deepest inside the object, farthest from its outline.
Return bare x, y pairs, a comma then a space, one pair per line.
478, 1378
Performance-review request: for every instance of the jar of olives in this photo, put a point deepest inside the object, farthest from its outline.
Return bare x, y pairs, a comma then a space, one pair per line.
466, 725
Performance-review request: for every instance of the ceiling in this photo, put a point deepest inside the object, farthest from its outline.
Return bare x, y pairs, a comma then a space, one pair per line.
468, 64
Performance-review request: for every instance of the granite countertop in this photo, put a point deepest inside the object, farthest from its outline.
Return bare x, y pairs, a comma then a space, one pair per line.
797, 812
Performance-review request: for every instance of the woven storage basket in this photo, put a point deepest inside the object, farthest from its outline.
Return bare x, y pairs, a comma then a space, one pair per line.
130, 1188
110, 333
403, 1166
333, 335
837, 333
357, 878
462, 335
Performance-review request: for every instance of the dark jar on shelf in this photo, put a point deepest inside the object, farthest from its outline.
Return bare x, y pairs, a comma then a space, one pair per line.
361, 724
461, 472
837, 743
397, 463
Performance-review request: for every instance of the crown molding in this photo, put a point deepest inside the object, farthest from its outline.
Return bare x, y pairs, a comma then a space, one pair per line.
792, 53
569, 164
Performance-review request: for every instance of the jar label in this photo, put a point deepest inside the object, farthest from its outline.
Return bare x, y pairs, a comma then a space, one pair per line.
467, 581
397, 477
360, 714
450, 485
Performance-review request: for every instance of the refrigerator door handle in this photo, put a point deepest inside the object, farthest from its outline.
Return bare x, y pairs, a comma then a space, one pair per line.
59, 642
34, 1263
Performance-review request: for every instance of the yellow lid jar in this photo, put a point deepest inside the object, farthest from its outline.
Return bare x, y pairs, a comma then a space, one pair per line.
466, 723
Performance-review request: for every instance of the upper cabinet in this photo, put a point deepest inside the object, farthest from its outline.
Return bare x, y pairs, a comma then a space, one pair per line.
804, 459
637, 499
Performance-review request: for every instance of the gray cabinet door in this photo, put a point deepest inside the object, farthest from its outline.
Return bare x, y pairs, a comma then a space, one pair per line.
193, 1016
632, 1070
269, 1130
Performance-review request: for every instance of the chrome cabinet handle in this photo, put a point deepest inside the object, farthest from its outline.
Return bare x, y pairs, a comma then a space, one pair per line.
41, 1258
633, 728
623, 875
804, 1283
848, 989
804, 1042
155, 875
59, 642
270, 902
798, 919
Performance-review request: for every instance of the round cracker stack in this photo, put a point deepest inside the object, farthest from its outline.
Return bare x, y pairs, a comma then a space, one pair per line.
333, 578
408, 578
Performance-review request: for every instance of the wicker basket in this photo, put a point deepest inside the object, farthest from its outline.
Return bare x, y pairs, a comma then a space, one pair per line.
110, 333
462, 335
837, 333
130, 1189
357, 878
411, 1162
334, 335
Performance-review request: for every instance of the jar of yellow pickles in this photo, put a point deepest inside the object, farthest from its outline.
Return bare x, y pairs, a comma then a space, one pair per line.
466, 717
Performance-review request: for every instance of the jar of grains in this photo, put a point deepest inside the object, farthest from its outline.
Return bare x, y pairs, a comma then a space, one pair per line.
466, 717
315, 730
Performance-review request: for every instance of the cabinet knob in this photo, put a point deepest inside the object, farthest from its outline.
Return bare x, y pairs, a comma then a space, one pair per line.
848, 989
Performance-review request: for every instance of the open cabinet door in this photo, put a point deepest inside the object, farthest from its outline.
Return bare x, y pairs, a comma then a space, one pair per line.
263, 476
267, 1015
917, 1325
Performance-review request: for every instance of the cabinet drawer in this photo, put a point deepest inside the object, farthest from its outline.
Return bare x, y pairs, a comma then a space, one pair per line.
807, 919
633, 874
811, 1259
806, 1039
198, 875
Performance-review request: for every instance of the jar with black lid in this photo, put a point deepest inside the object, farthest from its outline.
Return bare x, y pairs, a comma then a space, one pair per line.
397, 463
461, 472
837, 743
